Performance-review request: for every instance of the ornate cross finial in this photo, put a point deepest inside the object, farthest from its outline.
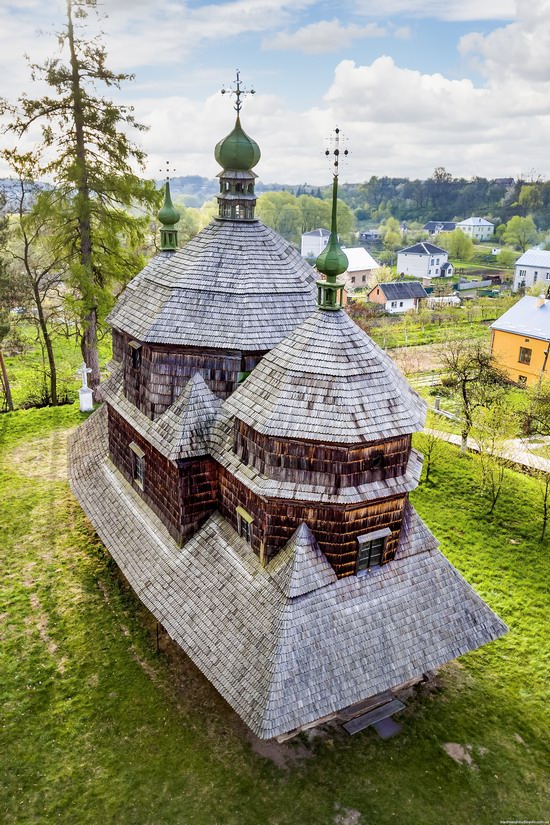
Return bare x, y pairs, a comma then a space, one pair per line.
238, 91
337, 153
167, 171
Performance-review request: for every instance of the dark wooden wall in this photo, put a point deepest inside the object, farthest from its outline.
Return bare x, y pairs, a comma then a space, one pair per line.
335, 527
330, 465
165, 370
182, 494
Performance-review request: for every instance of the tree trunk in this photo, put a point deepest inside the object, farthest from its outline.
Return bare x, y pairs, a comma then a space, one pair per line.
6, 383
464, 442
49, 348
89, 339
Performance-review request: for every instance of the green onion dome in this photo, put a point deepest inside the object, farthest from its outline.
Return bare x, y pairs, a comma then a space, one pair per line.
332, 261
237, 150
168, 215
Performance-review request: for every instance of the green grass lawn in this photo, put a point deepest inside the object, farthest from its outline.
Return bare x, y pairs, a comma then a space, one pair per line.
98, 728
26, 375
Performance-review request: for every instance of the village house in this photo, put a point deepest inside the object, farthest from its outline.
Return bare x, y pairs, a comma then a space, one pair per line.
424, 260
478, 229
250, 468
520, 340
533, 267
314, 242
398, 296
360, 270
435, 227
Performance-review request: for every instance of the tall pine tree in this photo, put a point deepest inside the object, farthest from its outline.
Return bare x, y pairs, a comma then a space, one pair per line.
91, 158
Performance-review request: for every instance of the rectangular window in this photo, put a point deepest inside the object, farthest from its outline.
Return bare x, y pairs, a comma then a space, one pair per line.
371, 549
525, 355
135, 351
138, 464
393, 303
353, 279
400, 303
522, 380
244, 524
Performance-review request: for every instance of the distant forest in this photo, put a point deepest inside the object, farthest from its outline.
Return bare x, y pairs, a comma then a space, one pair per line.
439, 197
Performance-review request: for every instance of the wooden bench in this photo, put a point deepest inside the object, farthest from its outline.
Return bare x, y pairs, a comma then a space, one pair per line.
373, 716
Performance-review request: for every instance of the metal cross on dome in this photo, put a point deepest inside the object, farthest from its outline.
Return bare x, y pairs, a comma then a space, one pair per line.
238, 92
167, 171
337, 152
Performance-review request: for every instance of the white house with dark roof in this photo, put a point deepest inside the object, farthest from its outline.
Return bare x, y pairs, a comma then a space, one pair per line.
424, 260
398, 296
533, 267
435, 227
314, 242
478, 229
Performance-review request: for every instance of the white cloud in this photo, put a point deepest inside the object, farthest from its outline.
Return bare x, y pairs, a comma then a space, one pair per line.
403, 33
322, 37
454, 10
521, 49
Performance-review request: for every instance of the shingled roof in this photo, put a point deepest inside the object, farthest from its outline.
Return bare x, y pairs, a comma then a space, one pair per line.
328, 381
423, 248
183, 430
236, 285
282, 657
402, 289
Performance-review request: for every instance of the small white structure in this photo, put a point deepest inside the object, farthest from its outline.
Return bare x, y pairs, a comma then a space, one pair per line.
533, 267
85, 393
314, 242
424, 260
398, 296
361, 266
478, 229
434, 302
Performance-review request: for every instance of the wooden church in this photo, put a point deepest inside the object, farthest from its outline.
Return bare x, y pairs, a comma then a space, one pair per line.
249, 472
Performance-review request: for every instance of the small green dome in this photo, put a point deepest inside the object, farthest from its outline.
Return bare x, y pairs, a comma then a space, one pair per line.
333, 260
168, 215
237, 150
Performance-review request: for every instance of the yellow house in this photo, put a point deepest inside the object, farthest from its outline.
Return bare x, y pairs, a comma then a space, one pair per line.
520, 340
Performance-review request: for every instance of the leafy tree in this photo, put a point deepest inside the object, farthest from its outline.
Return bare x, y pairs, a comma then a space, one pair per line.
38, 259
520, 232
474, 378
90, 157
493, 426
506, 257
457, 244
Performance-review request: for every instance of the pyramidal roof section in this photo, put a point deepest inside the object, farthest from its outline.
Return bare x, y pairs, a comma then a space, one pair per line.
184, 427
328, 381
301, 567
235, 285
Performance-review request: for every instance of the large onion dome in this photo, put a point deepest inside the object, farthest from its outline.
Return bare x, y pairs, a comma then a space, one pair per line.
237, 151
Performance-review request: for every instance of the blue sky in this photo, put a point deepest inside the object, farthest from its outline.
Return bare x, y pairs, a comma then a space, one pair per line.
464, 83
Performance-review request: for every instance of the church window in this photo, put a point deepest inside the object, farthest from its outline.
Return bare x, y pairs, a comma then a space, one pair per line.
377, 460
135, 352
138, 464
244, 524
371, 549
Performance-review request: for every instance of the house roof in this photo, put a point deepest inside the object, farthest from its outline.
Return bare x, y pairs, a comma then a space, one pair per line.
283, 645
359, 258
236, 285
475, 222
423, 248
526, 318
317, 233
328, 381
402, 289
446, 226
534, 257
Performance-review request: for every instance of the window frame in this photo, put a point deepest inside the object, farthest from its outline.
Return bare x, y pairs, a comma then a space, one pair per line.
245, 523
138, 465
523, 357
374, 558
135, 352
